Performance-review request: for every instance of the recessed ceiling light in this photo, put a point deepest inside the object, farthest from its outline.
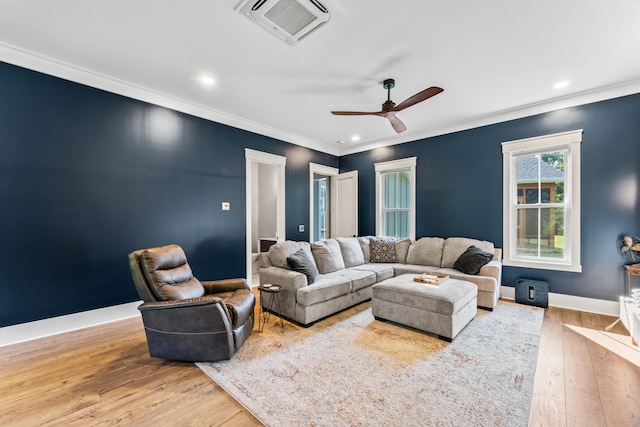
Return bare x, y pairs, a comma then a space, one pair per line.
207, 80
355, 138
561, 84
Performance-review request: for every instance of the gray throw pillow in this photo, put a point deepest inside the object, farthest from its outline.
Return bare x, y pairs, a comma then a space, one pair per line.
301, 263
327, 255
472, 260
351, 251
382, 250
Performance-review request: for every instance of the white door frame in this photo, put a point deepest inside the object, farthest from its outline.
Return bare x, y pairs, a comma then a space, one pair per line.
327, 171
252, 157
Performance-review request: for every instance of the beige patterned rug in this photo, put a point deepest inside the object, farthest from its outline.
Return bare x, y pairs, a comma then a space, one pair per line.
352, 370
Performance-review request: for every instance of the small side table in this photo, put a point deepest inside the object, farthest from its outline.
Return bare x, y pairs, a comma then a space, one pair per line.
274, 302
632, 270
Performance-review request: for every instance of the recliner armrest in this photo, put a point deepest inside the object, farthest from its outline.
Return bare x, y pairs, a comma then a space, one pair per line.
226, 285
190, 302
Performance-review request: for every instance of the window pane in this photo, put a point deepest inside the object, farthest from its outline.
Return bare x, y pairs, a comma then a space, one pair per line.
541, 178
389, 191
402, 224
527, 178
403, 187
390, 223
540, 232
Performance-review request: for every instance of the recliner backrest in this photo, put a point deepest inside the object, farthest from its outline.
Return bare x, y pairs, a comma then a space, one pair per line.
168, 275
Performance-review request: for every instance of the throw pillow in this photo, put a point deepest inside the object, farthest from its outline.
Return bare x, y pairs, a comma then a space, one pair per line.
301, 263
351, 251
327, 256
472, 260
382, 250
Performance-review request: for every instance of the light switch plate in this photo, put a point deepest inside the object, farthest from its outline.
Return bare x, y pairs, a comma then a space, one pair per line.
226, 206
301, 228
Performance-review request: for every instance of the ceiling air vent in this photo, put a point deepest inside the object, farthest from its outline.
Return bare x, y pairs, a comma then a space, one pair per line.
289, 20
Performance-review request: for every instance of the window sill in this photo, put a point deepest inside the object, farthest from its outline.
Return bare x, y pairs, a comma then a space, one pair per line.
543, 265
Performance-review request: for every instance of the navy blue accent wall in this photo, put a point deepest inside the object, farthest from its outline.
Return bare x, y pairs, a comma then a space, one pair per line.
459, 187
87, 176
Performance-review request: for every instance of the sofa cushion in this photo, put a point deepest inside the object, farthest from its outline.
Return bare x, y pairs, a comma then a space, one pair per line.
455, 246
326, 288
279, 252
484, 283
402, 249
472, 260
359, 278
364, 245
382, 250
327, 256
351, 251
426, 251
382, 271
302, 263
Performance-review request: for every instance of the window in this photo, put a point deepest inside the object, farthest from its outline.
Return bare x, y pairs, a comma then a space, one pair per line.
395, 198
542, 202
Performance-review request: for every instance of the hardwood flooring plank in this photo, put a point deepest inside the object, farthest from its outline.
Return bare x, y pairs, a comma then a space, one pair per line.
546, 412
619, 405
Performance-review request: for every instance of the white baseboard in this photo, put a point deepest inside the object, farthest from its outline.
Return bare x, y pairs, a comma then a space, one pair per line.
56, 325
590, 305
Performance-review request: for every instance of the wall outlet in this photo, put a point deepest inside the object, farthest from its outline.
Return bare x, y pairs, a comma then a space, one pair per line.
226, 206
301, 228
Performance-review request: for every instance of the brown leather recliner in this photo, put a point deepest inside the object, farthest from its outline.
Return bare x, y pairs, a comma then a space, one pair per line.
185, 319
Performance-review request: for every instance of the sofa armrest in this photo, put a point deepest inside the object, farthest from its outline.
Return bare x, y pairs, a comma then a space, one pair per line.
227, 285
492, 269
290, 280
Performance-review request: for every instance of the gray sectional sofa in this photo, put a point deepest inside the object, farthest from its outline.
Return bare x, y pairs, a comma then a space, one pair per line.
349, 267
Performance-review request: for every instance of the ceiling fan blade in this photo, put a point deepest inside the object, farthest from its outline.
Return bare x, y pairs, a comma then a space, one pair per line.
356, 113
397, 124
418, 97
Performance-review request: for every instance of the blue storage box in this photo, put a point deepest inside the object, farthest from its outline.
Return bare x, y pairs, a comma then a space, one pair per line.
532, 292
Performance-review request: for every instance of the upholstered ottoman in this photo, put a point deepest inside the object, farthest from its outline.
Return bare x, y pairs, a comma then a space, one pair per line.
443, 309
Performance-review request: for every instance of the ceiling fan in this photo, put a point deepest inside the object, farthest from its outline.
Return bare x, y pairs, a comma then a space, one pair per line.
389, 108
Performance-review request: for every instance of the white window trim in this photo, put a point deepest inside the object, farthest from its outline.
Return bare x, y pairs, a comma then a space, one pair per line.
570, 141
397, 165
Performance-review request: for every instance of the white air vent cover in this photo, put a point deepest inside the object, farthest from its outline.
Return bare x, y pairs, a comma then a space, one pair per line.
289, 20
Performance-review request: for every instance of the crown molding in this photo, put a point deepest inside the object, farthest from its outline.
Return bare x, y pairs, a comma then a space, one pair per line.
586, 97
47, 65
53, 67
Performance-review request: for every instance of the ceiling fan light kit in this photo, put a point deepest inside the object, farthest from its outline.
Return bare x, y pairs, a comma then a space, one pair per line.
389, 108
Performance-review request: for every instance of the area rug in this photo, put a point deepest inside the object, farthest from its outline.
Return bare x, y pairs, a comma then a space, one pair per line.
353, 370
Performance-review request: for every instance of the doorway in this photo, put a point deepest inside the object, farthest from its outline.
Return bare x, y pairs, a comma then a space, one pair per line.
265, 201
333, 203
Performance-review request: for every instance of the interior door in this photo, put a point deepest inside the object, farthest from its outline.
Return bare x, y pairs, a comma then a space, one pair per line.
345, 218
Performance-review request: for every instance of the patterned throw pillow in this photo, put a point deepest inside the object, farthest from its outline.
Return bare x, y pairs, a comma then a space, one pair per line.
382, 250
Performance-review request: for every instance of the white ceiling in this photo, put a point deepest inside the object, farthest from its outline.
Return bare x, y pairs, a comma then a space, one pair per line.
496, 60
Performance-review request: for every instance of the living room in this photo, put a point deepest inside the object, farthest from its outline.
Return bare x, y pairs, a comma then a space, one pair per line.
90, 175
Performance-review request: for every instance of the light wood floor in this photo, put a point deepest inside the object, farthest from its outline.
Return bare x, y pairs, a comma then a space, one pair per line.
104, 376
